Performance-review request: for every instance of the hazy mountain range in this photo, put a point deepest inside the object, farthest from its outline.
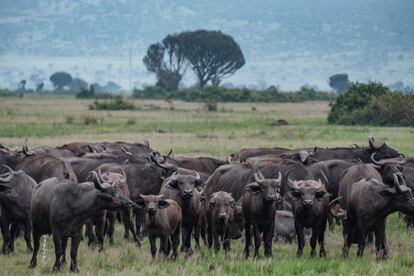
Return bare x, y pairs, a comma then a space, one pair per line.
285, 42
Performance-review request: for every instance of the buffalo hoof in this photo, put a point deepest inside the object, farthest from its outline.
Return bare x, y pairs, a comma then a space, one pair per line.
299, 253
56, 268
74, 270
32, 264
322, 254
313, 253
29, 250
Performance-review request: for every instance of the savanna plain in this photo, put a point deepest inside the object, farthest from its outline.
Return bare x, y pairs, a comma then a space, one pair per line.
190, 130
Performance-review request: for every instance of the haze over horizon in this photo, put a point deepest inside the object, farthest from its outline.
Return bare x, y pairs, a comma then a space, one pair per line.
285, 43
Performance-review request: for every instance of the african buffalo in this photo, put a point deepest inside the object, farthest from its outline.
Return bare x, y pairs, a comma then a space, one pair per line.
221, 214
206, 165
310, 201
60, 208
163, 220
259, 209
15, 194
186, 191
365, 206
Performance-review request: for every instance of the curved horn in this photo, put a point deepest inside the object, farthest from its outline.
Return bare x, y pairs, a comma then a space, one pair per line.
96, 180
124, 150
371, 142
26, 151
90, 148
171, 179
292, 184
325, 178
146, 143
375, 161
124, 177
10, 174
155, 160
279, 178
405, 159
103, 146
341, 214
258, 176
170, 153
197, 176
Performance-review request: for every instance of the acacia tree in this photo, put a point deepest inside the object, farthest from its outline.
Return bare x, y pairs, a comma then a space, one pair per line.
60, 80
212, 55
339, 82
167, 61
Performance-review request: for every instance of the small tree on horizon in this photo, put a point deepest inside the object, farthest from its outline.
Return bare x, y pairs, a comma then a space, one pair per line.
60, 80
339, 82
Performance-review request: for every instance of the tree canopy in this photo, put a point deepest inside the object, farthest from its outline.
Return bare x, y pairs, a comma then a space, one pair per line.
60, 80
339, 82
211, 55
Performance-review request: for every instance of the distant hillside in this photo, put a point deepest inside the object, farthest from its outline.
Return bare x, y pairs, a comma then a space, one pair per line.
286, 43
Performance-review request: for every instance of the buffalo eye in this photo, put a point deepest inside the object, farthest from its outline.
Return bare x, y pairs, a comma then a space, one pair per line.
66, 175
295, 193
320, 194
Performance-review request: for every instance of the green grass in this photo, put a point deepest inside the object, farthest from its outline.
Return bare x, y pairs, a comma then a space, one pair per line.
190, 130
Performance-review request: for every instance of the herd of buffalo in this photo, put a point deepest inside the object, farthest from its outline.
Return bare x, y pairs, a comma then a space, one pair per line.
264, 194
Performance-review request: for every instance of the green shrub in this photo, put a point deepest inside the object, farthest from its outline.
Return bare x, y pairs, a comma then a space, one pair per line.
222, 94
117, 103
372, 104
90, 120
86, 93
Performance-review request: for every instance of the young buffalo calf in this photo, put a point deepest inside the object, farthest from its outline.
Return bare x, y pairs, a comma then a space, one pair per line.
220, 219
163, 220
310, 208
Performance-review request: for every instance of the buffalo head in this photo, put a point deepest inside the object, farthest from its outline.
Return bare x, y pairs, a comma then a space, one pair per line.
267, 187
185, 184
151, 203
110, 193
307, 193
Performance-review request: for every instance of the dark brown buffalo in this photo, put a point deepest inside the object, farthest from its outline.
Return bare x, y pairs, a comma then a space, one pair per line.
259, 210
310, 201
244, 154
205, 165
15, 194
332, 170
107, 218
388, 167
163, 220
42, 166
143, 179
186, 191
60, 208
367, 204
58, 153
221, 215
234, 177
382, 150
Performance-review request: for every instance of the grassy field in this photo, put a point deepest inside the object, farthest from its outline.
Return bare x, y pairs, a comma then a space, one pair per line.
190, 130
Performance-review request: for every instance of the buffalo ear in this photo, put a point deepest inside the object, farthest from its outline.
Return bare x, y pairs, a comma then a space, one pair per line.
388, 192
253, 188
140, 203
172, 184
199, 185
295, 193
163, 204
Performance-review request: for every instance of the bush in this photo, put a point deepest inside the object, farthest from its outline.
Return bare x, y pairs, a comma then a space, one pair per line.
90, 120
117, 103
222, 94
372, 104
86, 93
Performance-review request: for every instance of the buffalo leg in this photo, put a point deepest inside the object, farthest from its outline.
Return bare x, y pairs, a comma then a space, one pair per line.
36, 244
99, 230
226, 242
6, 234
361, 242
247, 239
74, 251
380, 242
130, 226
110, 222
175, 240
64, 246
267, 238
153, 245
216, 239
301, 239
26, 233
313, 239
57, 240
90, 233
347, 234
187, 239
197, 235
321, 240
164, 245
257, 240
209, 234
